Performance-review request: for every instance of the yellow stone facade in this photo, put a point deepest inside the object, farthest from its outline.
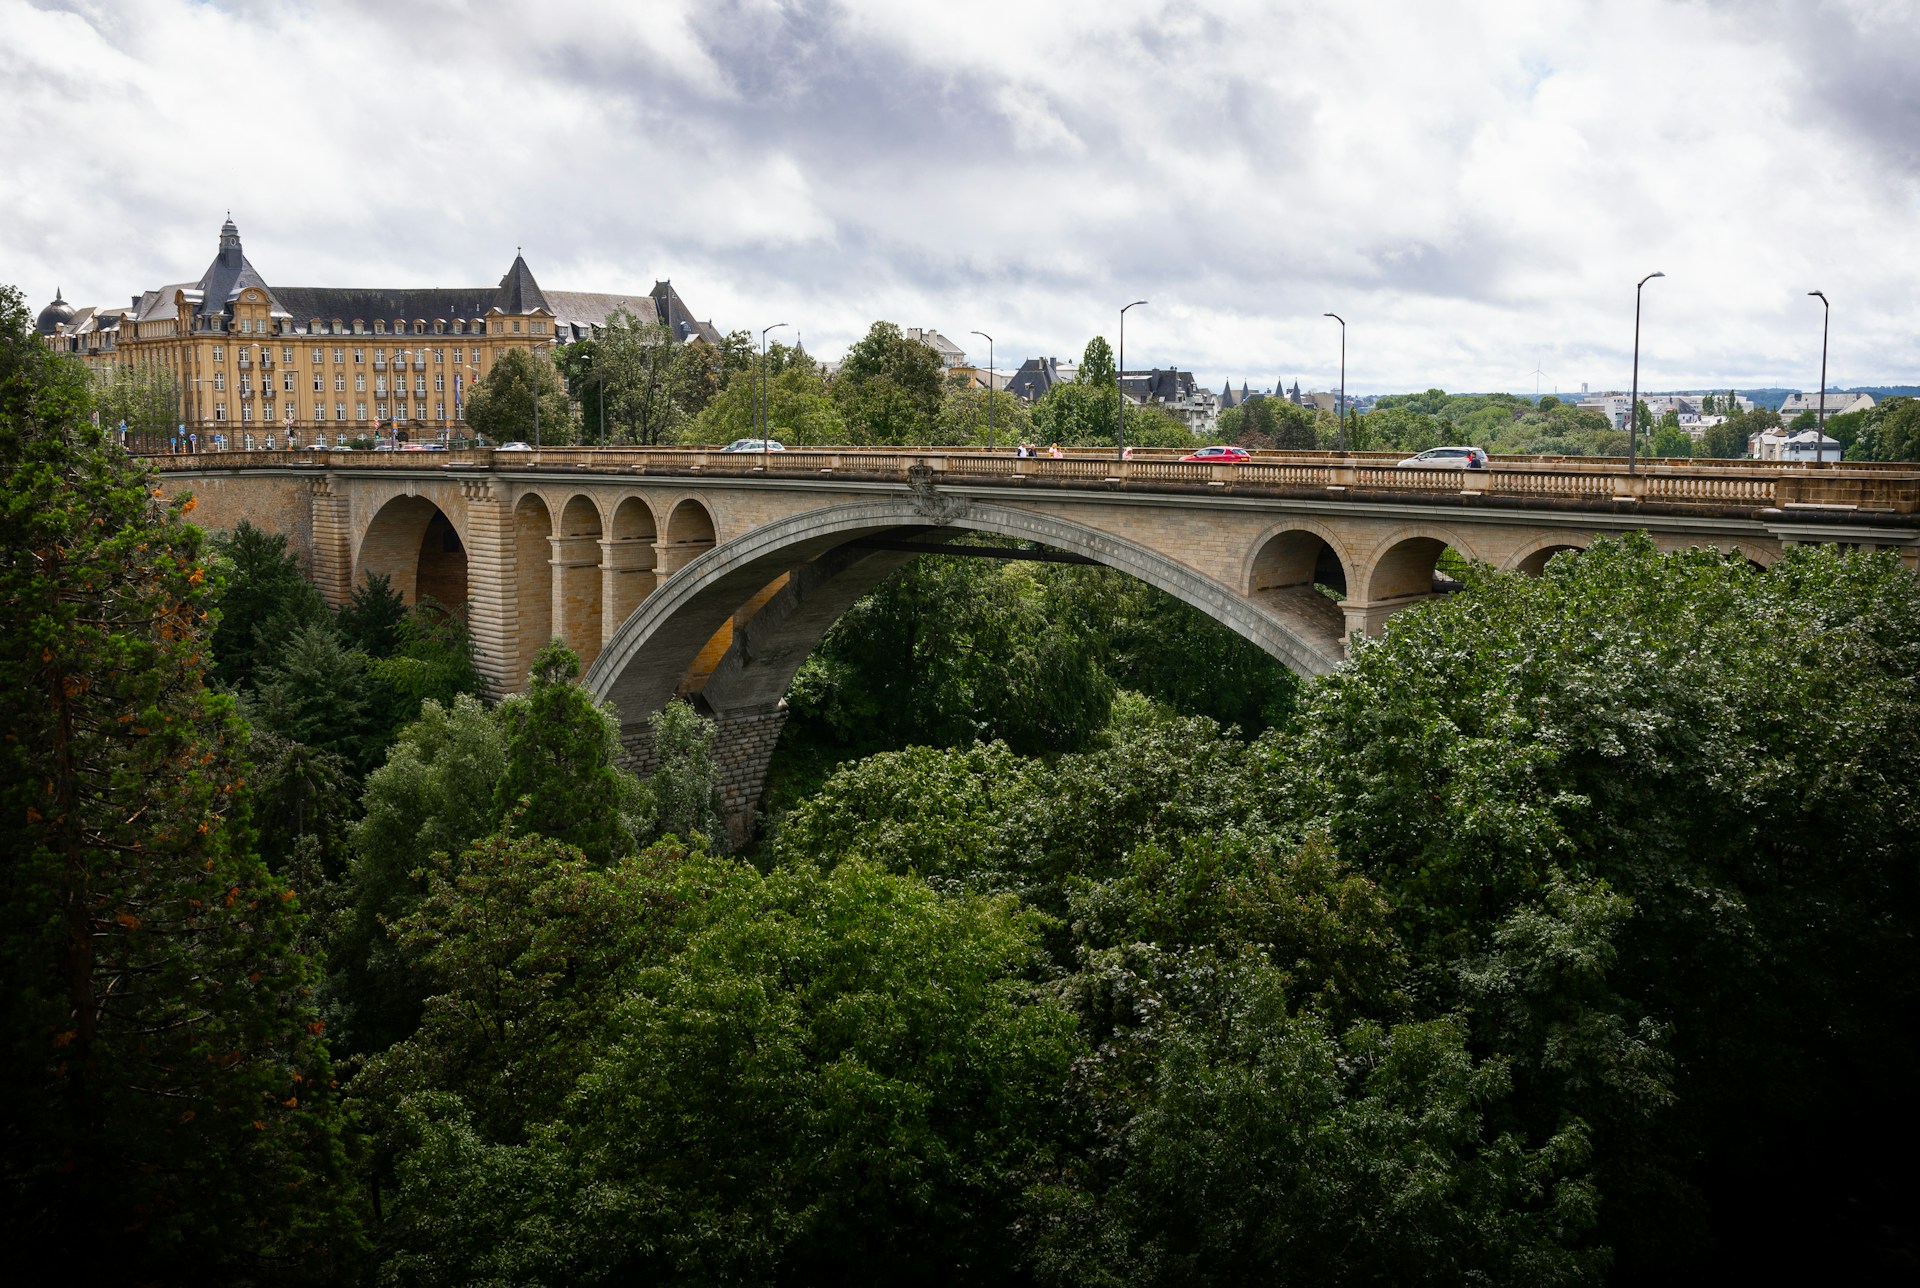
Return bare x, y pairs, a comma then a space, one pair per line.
257, 366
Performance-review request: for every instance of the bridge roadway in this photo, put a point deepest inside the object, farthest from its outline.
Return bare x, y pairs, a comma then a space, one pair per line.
707, 575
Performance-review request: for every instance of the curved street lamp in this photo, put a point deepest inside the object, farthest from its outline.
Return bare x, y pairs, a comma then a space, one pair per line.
989, 339
1121, 450
1633, 399
1820, 429
1340, 424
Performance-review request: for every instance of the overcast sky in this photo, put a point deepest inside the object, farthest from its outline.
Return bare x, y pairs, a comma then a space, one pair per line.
1476, 187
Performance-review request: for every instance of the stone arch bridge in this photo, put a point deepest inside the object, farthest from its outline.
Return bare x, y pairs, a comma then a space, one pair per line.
710, 576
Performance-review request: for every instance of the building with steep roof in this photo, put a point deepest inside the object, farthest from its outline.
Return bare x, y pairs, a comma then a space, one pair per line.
1037, 376
251, 358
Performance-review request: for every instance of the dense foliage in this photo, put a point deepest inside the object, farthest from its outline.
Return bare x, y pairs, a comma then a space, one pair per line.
1565, 935
167, 1097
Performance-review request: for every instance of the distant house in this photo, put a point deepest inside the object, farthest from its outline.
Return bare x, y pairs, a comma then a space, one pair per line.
952, 356
1177, 392
1838, 404
1038, 375
1806, 445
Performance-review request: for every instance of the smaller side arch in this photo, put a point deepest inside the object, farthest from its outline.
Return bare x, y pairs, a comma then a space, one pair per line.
1532, 558
1401, 565
627, 562
690, 534
576, 571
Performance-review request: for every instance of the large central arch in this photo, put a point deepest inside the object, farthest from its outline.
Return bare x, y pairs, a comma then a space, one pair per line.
651, 651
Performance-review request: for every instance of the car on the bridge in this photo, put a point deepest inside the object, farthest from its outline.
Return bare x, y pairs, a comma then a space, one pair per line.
513, 447
1447, 458
1222, 454
754, 445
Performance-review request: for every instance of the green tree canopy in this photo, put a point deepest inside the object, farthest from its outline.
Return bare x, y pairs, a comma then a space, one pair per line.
164, 1061
888, 388
562, 776
500, 408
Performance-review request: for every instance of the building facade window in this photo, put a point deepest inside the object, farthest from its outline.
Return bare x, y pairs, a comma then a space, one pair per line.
286, 355
360, 384
219, 353
360, 410
339, 382
439, 411
219, 411
439, 382
220, 380
316, 356
286, 381
319, 383
319, 411
246, 411
339, 411
380, 384
381, 410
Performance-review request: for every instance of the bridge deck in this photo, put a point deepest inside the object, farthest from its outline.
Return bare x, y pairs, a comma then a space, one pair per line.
1830, 491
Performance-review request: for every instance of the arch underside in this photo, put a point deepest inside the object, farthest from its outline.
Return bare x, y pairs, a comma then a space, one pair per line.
646, 659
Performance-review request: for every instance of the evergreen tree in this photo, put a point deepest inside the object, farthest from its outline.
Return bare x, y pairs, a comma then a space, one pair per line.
373, 616
263, 597
166, 1103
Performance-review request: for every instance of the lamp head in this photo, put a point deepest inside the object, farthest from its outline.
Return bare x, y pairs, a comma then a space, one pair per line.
1648, 278
1822, 295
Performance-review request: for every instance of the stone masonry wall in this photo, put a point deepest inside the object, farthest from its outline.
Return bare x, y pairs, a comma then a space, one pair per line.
743, 747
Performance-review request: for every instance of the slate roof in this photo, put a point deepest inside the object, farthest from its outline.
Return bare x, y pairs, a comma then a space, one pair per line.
575, 313
1035, 377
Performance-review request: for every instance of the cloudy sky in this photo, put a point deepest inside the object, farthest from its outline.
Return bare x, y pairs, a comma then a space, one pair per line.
1475, 186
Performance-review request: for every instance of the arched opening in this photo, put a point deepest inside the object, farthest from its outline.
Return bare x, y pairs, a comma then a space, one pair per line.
1298, 558
776, 589
1298, 576
417, 548
627, 563
532, 582
577, 589
1411, 569
1535, 563
689, 535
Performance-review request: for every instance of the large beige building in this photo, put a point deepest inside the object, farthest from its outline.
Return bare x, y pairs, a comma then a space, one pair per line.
253, 361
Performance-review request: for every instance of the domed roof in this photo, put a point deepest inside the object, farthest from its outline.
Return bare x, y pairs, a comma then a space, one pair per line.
54, 315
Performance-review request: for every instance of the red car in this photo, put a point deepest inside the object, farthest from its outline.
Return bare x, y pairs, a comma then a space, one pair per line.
1222, 455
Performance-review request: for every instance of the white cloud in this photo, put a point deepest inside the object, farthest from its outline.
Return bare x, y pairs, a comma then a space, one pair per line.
1475, 186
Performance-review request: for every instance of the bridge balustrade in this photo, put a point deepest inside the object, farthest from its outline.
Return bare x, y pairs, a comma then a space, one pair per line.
1754, 484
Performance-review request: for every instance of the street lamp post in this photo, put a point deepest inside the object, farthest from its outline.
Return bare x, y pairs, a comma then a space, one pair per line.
1118, 387
989, 339
1820, 429
1633, 398
1340, 425
765, 411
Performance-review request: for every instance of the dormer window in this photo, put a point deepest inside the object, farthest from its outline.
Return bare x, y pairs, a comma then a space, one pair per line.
379, 328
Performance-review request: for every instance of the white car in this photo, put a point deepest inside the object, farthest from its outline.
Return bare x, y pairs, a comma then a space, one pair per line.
513, 447
753, 445
1448, 458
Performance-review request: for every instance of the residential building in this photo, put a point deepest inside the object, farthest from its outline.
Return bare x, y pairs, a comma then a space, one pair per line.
1838, 404
1175, 391
1038, 375
251, 358
1782, 445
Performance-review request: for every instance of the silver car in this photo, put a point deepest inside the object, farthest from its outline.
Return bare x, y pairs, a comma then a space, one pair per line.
1448, 458
753, 445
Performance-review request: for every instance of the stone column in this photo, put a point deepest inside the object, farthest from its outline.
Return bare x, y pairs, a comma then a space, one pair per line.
626, 579
743, 751
576, 595
493, 617
332, 541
